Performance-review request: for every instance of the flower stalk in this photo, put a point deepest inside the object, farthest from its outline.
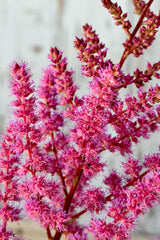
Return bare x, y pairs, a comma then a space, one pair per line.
51, 154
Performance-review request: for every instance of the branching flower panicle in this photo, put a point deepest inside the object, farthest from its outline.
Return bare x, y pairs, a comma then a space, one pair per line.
51, 154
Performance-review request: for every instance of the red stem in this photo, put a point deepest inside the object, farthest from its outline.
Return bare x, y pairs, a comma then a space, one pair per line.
131, 183
63, 183
48, 233
69, 198
108, 198
126, 53
59, 172
72, 190
57, 236
77, 215
136, 130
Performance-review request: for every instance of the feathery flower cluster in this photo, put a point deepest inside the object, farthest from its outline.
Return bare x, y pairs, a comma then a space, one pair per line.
51, 153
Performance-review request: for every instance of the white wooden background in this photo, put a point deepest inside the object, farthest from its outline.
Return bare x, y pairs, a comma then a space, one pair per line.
29, 27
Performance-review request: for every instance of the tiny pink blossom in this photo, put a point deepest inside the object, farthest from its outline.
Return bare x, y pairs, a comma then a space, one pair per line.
53, 149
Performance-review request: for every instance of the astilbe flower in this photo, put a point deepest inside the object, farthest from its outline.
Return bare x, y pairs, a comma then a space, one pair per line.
91, 51
52, 150
139, 6
9, 196
118, 15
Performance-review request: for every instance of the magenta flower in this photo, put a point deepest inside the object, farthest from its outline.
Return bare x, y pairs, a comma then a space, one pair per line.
51, 154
